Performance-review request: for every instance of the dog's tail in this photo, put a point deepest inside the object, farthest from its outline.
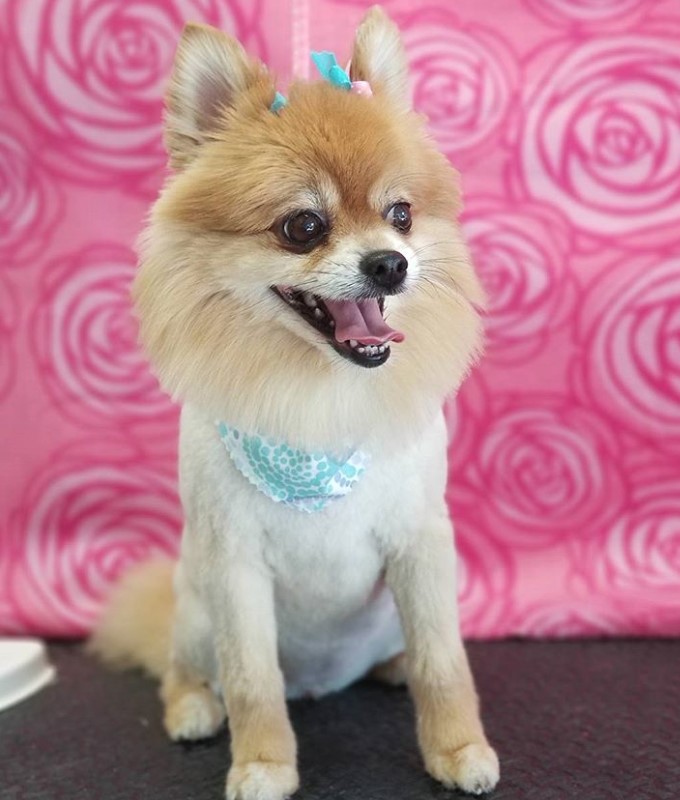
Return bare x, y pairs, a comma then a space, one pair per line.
134, 629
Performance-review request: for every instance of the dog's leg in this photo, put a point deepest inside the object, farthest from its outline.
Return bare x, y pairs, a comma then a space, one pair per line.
392, 672
191, 709
422, 577
263, 745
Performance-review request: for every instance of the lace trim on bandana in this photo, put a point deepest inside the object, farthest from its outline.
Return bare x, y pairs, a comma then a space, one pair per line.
308, 481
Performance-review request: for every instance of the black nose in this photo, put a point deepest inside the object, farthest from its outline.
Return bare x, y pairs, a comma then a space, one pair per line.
387, 268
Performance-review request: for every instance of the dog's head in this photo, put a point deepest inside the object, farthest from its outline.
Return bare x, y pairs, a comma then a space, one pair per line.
292, 250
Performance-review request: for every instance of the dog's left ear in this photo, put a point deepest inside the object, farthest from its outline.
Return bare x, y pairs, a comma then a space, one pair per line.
379, 57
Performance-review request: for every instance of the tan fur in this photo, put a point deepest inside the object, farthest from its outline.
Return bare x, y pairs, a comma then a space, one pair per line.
192, 711
392, 672
437, 731
134, 630
223, 342
450, 732
262, 731
209, 255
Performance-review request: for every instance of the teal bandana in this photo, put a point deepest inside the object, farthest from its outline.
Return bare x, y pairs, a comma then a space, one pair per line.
302, 480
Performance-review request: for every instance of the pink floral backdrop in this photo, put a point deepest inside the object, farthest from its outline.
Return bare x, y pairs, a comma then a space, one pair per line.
564, 119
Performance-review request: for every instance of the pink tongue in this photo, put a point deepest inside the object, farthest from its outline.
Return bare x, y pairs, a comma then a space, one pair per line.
361, 320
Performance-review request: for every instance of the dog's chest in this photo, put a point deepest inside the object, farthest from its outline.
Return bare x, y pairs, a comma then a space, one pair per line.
335, 616
324, 564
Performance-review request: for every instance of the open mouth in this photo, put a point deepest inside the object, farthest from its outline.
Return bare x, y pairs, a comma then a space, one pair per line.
356, 329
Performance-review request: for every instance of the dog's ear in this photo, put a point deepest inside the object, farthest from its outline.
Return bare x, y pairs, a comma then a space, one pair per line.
379, 57
211, 73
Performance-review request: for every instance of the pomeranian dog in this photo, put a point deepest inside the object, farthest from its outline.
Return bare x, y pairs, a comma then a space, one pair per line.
304, 290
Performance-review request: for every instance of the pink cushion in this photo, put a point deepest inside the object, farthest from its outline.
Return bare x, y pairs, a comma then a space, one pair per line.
564, 118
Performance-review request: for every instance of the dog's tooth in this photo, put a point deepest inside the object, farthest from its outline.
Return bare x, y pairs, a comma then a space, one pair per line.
332, 323
318, 313
353, 343
309, 299
361, 350
382, 348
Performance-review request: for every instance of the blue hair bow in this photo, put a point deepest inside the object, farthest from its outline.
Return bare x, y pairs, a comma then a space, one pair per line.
330, 70
328, 66
278, 103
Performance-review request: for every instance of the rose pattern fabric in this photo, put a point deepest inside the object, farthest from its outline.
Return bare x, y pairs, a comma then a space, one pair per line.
90, 76
589, 13
630, 329
30, 202
638, 553
116, 510
464, 79
563, 117
8, 324
600, 137
85, 340
521, 255
549, 471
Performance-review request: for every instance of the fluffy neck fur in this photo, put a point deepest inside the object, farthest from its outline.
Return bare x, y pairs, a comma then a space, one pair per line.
228, 358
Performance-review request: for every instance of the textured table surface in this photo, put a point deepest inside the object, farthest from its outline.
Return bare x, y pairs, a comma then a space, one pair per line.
590, 720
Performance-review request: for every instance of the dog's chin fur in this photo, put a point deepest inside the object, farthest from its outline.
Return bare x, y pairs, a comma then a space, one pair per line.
221, 340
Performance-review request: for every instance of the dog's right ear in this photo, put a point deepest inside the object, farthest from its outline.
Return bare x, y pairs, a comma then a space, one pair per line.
211, 73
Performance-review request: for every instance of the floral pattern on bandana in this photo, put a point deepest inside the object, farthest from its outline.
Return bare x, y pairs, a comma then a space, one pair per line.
304, 480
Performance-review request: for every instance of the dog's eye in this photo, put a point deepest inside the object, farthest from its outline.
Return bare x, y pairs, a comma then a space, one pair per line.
303, 228
400, 216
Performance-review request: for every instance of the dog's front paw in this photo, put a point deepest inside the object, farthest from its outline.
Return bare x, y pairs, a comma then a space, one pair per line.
193, 715
473, 768
261, 780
